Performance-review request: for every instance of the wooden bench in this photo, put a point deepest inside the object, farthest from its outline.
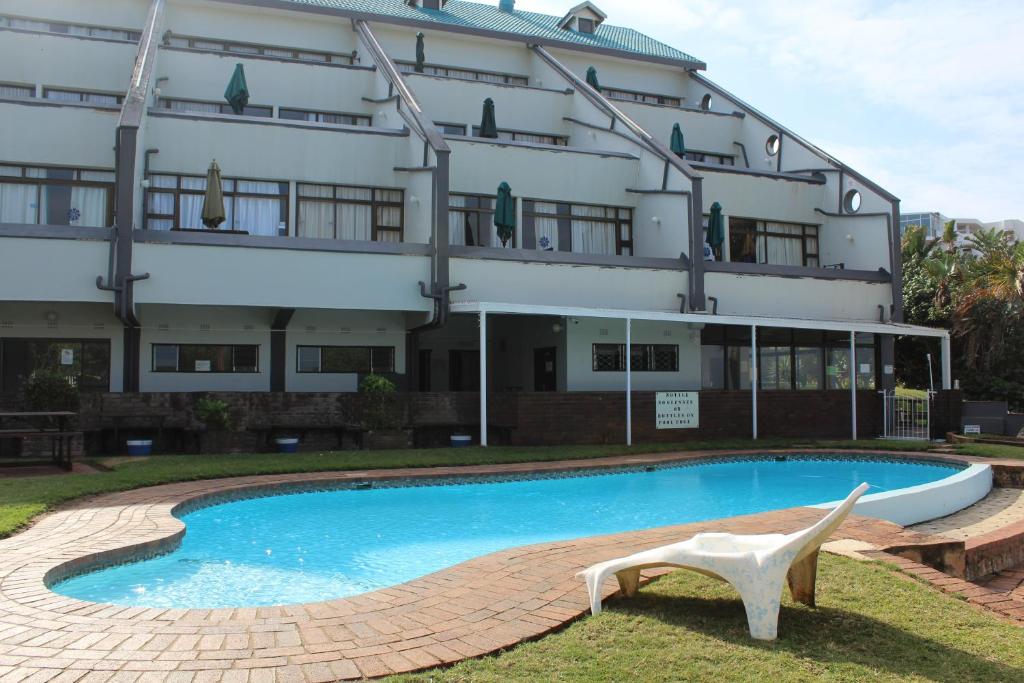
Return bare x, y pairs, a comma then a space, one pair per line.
34, 425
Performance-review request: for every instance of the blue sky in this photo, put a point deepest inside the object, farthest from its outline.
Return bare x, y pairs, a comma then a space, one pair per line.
924, 96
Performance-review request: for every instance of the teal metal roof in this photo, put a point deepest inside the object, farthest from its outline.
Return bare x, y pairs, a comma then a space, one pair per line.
475, 16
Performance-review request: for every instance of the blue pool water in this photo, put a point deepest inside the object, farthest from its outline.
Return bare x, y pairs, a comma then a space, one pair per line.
308, 547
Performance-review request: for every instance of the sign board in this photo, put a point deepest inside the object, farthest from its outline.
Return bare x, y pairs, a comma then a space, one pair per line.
677, 410
202, 366
67, 356
972, 429
865, 368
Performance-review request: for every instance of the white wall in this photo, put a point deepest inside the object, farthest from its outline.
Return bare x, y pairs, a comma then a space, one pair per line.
184, 326
53, 269
73, 321
340, 328
449, 49
127, 14
797, 297
763, 198
240, 276
702, 131
583, 333
74, 136
59, 61
613, 72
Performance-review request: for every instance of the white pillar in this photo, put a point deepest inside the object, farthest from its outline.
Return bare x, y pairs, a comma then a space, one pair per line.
753, 378
483, 378
947, 370
853, 384
629, 382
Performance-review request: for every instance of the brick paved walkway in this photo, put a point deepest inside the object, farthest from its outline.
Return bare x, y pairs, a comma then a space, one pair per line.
1001, 508
472, 609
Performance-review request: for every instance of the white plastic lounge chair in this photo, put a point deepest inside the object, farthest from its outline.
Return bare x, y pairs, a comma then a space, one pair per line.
756, 566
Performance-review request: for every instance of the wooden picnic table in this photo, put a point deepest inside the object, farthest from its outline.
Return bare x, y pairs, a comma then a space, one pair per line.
48, 424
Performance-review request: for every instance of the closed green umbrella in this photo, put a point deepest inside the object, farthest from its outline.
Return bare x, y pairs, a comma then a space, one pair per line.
716, 228
213, 200
505, 214
592, 79
421, 55
488, 125
237, 93
677, 145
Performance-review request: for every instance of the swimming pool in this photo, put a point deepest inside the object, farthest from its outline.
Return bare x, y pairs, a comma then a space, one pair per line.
310, 547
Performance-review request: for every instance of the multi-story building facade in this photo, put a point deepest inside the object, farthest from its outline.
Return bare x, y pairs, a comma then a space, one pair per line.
359, 195
934, 223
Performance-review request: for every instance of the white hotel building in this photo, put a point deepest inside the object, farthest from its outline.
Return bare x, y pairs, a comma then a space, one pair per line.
359, 198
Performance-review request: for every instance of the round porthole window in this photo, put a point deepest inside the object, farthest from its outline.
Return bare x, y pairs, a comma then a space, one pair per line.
772, 145
705, 103
851, 201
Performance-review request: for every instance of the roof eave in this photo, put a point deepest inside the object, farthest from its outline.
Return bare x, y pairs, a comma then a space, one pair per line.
693, 65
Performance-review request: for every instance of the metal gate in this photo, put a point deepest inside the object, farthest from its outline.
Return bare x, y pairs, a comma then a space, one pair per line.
906, 417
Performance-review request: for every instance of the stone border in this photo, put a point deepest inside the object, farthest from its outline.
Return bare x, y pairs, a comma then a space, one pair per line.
476, 608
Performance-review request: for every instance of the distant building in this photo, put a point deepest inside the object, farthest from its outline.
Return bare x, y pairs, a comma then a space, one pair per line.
934, 222
931, 221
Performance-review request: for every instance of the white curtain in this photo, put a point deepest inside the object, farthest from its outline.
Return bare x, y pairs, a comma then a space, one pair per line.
546, 229
257, 215
456, 221
88, 207
781, 251
16, 91
18, 203
316, 219
199, 107
592, 237
160, 202
63, 96
355, 222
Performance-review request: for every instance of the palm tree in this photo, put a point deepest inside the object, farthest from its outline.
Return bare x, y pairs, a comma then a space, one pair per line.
944, 267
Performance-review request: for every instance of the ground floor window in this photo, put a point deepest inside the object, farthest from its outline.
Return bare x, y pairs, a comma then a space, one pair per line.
258, 207
84, 362
345, 359
771, 242
578, 228
56, 196
213, 358
348, 212
787, 359
643, 358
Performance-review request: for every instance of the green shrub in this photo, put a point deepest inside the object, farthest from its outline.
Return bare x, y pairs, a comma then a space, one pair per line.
49, 390
213, 413
379, 410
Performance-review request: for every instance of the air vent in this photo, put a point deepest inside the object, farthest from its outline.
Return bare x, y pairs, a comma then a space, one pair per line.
603, 332
344, 330
247, 327
97, 326
666, 333
204, 327
7, 324
51, 324
382, 330
163, 327
310, 328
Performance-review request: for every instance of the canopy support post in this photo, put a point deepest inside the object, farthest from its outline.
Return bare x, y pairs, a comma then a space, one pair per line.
947, 370
753, 380
483, 378
853, 384
629, 382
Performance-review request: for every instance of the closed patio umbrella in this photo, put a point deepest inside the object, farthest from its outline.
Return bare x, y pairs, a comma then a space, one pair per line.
505, 213
488, 125
421, 55
676, 144
592, 79
237, 93
716, 229
213, 200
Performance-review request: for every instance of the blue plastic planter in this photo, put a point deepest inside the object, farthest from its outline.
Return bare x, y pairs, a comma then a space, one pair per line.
140, 447
461, 441
287, 445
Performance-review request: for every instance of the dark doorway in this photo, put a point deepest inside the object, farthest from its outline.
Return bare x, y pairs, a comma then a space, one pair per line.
545, 369
463, 370
423, 369
84, 362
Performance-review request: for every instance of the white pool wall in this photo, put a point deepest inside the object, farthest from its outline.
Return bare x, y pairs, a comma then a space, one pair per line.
927, 501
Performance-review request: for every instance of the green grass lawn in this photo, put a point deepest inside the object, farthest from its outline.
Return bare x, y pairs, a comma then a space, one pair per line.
22, 499
870, 624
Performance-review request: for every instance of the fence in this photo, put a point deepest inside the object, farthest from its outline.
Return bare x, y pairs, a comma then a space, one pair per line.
905, 416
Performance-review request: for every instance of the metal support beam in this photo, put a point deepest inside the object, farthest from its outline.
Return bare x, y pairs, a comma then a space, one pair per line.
853, 385
753, 380
947, 369
483, 378
629, 382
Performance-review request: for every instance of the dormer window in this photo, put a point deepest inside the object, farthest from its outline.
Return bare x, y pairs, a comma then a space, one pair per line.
426, 4
583, 18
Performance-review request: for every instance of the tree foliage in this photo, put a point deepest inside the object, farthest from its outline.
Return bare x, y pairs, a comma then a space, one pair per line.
977, 291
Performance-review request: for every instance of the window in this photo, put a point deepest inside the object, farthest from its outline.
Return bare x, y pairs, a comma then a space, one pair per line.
7, 21
212, 358
256, 207
643, 358
465, 74
17, 90
526, 136
772, 145
451, 128
643, 97
471, 221
56, 196
711, 158
578, 228
783, 244
788, 359
585, 25
232, 47
345, 359
206, 107
85, 363
67, 95
348, 212
325, 117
